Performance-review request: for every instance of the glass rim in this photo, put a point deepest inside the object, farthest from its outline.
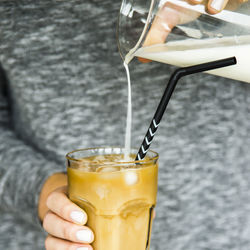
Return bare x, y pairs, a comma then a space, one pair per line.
145, 160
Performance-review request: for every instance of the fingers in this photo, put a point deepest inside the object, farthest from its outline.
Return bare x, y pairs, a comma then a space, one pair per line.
60, 228
58, 222
216, 6
213, 6
52, 243
59, 203
162, 25
165, 20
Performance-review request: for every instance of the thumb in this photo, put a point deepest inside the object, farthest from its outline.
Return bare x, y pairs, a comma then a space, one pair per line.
164, 21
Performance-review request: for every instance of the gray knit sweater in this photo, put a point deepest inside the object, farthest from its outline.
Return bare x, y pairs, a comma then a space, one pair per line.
63, 86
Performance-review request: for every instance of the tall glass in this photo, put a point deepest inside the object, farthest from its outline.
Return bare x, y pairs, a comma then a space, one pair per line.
183, 34
118, 197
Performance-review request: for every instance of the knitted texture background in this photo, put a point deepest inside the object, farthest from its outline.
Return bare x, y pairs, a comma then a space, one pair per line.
63, 86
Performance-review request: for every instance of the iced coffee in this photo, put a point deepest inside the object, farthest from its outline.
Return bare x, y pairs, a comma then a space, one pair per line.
118, 196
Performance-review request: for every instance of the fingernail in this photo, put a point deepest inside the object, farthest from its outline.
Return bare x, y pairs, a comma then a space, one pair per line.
82, 248
77, 216
84, 235
217, 4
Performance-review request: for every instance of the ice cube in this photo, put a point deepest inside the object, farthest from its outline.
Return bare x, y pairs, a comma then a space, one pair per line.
86, 169
100, 191
84, 164
131, 177
107, 169
99, 158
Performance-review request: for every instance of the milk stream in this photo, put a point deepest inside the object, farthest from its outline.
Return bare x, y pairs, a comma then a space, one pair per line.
129, 117
189, 52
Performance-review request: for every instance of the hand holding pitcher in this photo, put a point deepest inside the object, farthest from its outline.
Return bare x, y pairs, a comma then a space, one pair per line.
170, 15
184, 33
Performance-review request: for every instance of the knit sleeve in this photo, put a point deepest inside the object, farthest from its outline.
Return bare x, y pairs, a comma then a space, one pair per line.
23, 170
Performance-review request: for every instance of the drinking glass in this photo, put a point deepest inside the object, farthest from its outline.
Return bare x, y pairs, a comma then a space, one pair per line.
118, 197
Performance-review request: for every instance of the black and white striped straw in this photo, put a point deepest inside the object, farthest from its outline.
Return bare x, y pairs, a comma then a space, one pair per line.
168, 93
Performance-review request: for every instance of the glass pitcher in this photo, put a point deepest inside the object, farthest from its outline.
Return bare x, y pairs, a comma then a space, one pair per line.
182, 34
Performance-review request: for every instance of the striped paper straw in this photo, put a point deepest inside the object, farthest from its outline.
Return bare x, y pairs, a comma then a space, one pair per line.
168, 93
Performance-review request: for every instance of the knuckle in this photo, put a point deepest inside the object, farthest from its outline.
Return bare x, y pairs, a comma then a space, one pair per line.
66, 232
46, 220
65, 209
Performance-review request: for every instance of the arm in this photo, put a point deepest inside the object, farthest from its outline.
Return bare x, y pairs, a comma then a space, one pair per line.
23, 170
33, 188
